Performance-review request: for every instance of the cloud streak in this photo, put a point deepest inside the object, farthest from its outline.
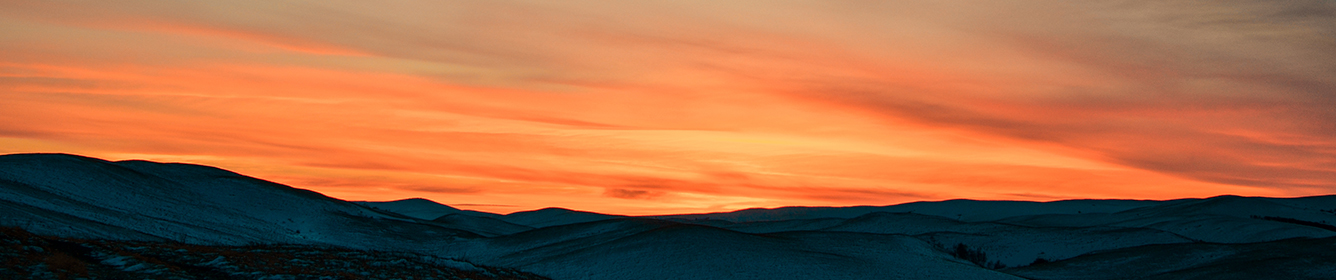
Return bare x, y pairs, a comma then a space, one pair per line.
656, 107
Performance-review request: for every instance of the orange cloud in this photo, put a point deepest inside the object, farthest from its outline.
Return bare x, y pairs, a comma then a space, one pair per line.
670, 107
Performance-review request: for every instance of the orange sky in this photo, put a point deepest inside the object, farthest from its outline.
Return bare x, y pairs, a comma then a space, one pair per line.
654, 107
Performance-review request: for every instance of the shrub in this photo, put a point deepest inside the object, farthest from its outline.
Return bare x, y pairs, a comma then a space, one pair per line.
975, 256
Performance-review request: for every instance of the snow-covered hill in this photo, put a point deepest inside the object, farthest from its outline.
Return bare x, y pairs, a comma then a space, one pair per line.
480, 225
1225, 219
1299, 258
421, 208
547, 217
1009, 245
66, 195
959, 209
1017, 233
73, 196
658, 249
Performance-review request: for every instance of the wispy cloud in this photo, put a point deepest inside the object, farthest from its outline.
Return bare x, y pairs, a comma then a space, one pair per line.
674, 106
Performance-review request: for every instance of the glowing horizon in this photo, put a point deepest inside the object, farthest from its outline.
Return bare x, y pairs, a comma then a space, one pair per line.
669, 107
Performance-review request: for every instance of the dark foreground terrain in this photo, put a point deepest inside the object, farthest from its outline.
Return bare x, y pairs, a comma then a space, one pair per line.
29, 256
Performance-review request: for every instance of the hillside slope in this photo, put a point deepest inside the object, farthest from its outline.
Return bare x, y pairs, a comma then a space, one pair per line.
66, 195
1300, 258
421, 208
547, 217
29, 256
657, 249
1223, 219
161, 203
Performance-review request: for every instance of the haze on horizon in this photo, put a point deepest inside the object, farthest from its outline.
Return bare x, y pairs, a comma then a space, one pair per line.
658, 107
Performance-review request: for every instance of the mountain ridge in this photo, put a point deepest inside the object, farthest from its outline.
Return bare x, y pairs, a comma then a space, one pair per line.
141, 201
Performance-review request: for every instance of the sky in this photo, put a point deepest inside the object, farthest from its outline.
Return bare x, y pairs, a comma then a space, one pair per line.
682, 106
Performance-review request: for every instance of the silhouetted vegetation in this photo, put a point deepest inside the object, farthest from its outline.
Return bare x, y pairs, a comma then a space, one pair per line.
1038, 261
1297, 222
975, 256
28, 256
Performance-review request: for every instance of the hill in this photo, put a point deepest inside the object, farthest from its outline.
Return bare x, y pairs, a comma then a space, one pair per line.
133, 212
73, 196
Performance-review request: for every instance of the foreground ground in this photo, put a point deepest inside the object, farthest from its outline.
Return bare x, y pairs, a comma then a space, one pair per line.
28, 256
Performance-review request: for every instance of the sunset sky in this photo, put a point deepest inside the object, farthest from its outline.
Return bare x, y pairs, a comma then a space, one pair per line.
656, 107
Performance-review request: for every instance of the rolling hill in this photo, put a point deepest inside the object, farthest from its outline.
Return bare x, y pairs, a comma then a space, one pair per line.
66, 195
86, 202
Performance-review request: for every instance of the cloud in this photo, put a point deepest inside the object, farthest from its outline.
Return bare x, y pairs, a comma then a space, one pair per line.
630, 194
1194, 92
863, 196
439, 189
648, 106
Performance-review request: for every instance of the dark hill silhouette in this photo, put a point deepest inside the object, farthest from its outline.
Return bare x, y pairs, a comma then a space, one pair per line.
68, 196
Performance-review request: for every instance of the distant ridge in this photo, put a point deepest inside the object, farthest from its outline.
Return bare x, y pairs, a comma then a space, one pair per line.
421, 208
969, 210
74, 196
547, 217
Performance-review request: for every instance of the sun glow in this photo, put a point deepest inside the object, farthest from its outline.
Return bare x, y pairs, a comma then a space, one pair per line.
668, 107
